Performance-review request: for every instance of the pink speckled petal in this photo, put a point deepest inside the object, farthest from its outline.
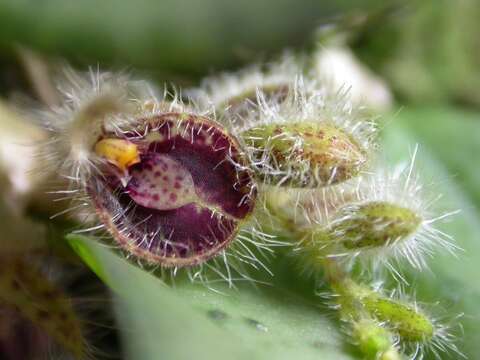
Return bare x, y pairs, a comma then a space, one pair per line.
159, 182
185, 199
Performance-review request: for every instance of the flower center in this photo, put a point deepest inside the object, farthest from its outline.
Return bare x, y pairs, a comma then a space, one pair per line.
162, 183
187, 196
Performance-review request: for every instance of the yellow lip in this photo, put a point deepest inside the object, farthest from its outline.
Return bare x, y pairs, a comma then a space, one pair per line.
121, 153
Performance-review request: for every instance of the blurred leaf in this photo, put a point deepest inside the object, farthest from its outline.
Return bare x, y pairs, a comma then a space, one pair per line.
448, 140
428, 50
177, 323
453, 135
168, 35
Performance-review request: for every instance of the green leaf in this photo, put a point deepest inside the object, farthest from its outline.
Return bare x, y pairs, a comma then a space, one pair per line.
448, 154
424, 66
189, 320
452, 136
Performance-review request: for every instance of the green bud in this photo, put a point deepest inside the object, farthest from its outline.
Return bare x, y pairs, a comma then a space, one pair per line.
406, 320
374, 224
391, 354
304, 154
374, 341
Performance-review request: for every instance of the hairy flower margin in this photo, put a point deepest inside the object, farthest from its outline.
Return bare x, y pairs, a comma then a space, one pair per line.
179, 187
168, 183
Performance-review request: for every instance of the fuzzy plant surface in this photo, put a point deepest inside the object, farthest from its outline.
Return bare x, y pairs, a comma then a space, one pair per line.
267, 213
284, 320
264, 199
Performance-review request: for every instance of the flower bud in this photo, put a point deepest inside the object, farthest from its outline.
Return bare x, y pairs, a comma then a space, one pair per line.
405, 319
304, 154
313, 137
373, 225
374, 341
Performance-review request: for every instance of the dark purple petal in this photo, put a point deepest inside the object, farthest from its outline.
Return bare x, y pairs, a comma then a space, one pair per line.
186, 198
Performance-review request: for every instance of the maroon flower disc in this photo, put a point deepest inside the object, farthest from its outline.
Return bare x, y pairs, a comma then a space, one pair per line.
186, 196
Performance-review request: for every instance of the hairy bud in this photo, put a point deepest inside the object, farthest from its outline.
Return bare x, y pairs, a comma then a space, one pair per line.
304, 154
374, 341
404, 319
374, 224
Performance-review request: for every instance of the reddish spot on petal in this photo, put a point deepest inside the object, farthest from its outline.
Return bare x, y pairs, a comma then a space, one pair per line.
193, 173
146, 186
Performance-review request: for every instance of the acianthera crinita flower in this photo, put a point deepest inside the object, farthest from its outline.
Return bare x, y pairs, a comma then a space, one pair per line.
170, 184
314, 137
182, 197
176, 186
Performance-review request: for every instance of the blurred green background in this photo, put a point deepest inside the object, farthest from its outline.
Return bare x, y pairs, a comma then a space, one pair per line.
423, 55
